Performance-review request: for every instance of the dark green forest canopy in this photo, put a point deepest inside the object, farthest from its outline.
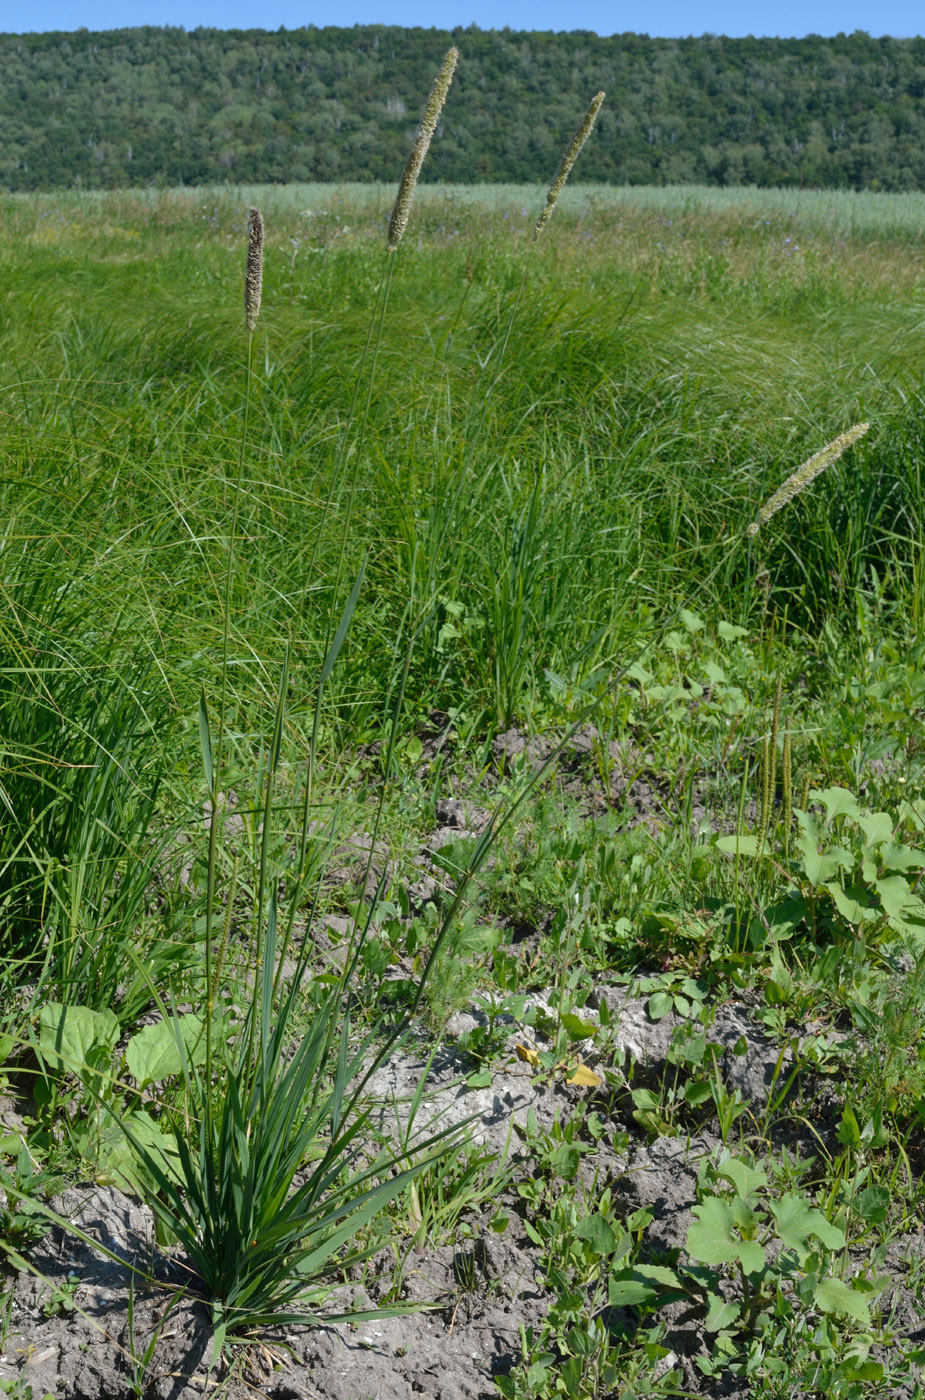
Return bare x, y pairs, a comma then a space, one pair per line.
167, 107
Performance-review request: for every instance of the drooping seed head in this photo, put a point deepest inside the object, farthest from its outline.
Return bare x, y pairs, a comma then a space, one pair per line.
402, 206
253, 276
805, 474
568, 160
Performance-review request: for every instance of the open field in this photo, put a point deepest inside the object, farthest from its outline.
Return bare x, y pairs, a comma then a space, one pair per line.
408, 661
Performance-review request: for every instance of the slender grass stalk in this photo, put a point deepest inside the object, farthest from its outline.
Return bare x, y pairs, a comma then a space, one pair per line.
253, 288
787, 791
775, 734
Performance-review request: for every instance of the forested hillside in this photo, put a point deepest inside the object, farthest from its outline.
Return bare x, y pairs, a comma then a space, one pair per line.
164, 106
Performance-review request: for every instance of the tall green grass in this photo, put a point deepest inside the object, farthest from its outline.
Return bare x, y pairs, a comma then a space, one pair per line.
659, 381
669, 364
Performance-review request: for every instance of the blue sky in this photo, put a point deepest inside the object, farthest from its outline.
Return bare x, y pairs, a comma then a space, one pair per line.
665, 17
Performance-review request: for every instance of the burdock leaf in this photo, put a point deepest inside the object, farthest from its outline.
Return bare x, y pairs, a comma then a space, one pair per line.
797, 1220
833, 1295
837, 801
744, 1178
710, 1238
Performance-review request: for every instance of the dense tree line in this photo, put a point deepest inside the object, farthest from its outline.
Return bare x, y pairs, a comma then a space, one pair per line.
167, 106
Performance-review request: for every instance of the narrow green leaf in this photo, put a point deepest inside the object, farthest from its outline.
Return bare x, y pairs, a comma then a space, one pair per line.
849, 1132
346, 617
626, 1291
577, 1029
205, 743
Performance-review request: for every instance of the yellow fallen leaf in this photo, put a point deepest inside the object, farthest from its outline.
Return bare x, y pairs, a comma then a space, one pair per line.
523, 1052
584, 1076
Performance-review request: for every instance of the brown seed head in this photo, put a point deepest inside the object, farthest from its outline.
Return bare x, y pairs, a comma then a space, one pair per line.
568, 160
253, 276
402, 206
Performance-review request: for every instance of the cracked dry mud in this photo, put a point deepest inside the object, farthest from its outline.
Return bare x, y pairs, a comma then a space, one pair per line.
465, 1336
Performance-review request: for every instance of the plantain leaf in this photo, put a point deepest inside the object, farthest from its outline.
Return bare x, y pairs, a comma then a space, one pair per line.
741, 845
575, 1028
596, 1232
75, 1038
153, 1054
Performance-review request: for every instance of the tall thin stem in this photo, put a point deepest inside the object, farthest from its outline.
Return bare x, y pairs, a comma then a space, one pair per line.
218, 751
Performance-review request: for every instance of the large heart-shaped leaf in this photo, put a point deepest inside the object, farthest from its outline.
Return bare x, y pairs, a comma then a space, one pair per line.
75, 1038
744, 1178
837, 801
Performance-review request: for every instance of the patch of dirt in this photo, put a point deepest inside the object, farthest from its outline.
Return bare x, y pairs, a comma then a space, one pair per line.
603, 775
70, 1334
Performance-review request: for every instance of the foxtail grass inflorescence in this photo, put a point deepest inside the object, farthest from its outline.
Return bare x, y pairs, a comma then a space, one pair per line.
253, 276
568, 160
409, 179
805, 474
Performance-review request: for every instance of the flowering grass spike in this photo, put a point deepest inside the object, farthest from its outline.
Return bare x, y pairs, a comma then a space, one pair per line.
253, 277
409, 179
805, 474
568, 160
